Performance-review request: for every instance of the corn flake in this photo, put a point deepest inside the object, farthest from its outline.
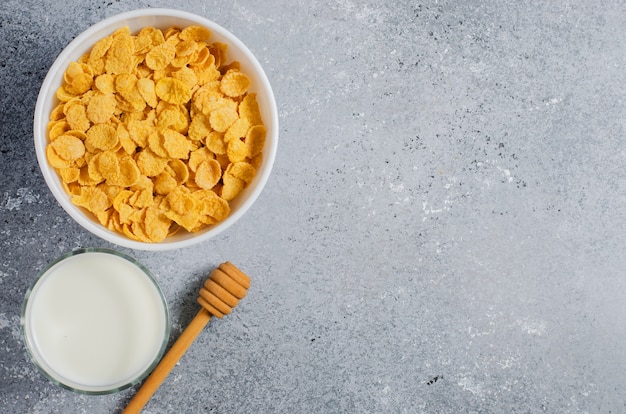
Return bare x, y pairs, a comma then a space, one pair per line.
101, 137
173, 91
234, 83
208, 173
68, 147
101, 108
119, 56
222, 118
160, 56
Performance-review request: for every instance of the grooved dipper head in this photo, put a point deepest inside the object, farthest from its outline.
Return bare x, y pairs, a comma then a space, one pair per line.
223, 289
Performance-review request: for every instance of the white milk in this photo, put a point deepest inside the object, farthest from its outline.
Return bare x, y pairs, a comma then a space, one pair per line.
95, 322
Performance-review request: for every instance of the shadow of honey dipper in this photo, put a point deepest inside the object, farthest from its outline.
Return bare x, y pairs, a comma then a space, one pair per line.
219, 295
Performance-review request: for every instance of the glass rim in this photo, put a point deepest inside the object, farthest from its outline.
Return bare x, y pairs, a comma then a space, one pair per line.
96, 390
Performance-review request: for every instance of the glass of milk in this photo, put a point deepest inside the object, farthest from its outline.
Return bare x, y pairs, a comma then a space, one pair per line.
95, 321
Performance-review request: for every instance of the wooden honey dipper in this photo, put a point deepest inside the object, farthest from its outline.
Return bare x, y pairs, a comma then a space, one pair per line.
219, 295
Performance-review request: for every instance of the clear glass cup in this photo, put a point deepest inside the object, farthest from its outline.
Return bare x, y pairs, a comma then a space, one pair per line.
95, 321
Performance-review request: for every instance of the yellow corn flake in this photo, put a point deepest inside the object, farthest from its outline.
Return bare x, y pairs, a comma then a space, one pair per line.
55, 160
160, 56
198, 156
155, 143
172, 31
57, 128
208, 174
119, 57
237, 130
157, 224
63, 94
142, 198
175, 117
72, 188
176, 144
150, 164
89, 176
179, 171
234, 83
108, 165
180, 61
73, 69
96, 66
57, 113
121, 198
232, 66
232, 186
249, 109
201, 54
76, 116
69, 174
114, 222
173, 38
126, 142
207, 71
257, 160
143, 183
147, 38
187, 76
215, 143
67, 106
218, 50
181, 207
101, 108
164, 183
222, 118
105, 83
145, 87
100, 48
128, 173
92, 171
199, 127
110, 190
138, 228
78, 134
127, 213
214, 206
242, 170
139, 131
144, 72
68, 147
93, 199
207, 99
195, 33
186, 48
103, 216
173, 91
126, 87
80, 84
255, 140
223, 160
101, 137
236, 150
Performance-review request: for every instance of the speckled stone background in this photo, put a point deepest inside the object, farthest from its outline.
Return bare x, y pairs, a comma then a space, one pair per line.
444, 230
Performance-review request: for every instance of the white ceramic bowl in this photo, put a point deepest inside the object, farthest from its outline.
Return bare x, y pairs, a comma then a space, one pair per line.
162, 19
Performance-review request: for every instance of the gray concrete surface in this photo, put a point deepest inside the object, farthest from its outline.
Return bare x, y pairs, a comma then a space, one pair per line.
443, 232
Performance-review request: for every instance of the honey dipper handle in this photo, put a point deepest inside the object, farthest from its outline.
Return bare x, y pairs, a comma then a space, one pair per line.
168, 362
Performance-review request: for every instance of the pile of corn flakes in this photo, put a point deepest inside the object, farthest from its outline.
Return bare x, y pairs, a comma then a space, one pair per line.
155, 132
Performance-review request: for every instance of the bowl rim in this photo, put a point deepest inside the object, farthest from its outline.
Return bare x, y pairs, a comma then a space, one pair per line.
52, 179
